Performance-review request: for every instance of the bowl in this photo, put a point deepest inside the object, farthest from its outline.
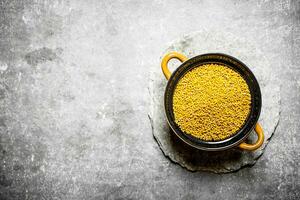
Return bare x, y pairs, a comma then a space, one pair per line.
236, 140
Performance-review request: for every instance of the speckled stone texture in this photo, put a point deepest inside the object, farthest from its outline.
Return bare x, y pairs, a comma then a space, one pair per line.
74, 98
209, 41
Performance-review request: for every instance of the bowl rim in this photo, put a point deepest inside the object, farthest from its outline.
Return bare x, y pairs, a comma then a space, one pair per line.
256, 101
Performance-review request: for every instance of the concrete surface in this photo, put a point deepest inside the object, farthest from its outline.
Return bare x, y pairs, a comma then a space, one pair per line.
74, 99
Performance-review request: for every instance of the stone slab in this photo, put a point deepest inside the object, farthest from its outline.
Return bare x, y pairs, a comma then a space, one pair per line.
212, 41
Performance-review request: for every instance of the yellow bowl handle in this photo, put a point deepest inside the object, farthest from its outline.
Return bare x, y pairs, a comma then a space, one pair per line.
258, 143
167, 58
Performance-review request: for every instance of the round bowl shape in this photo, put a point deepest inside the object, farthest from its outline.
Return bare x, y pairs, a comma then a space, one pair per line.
236, 65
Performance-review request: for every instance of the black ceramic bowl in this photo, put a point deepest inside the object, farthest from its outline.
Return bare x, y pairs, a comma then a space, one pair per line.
236, 65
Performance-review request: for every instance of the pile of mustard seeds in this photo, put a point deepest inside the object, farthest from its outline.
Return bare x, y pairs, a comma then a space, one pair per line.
211, 102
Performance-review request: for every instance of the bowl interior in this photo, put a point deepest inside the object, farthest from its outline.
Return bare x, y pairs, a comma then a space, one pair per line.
236, 65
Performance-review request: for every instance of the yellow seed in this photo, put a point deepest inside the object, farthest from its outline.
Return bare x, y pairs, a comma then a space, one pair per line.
211, 102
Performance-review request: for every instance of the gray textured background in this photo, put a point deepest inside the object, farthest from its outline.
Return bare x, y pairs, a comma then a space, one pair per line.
74, 98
